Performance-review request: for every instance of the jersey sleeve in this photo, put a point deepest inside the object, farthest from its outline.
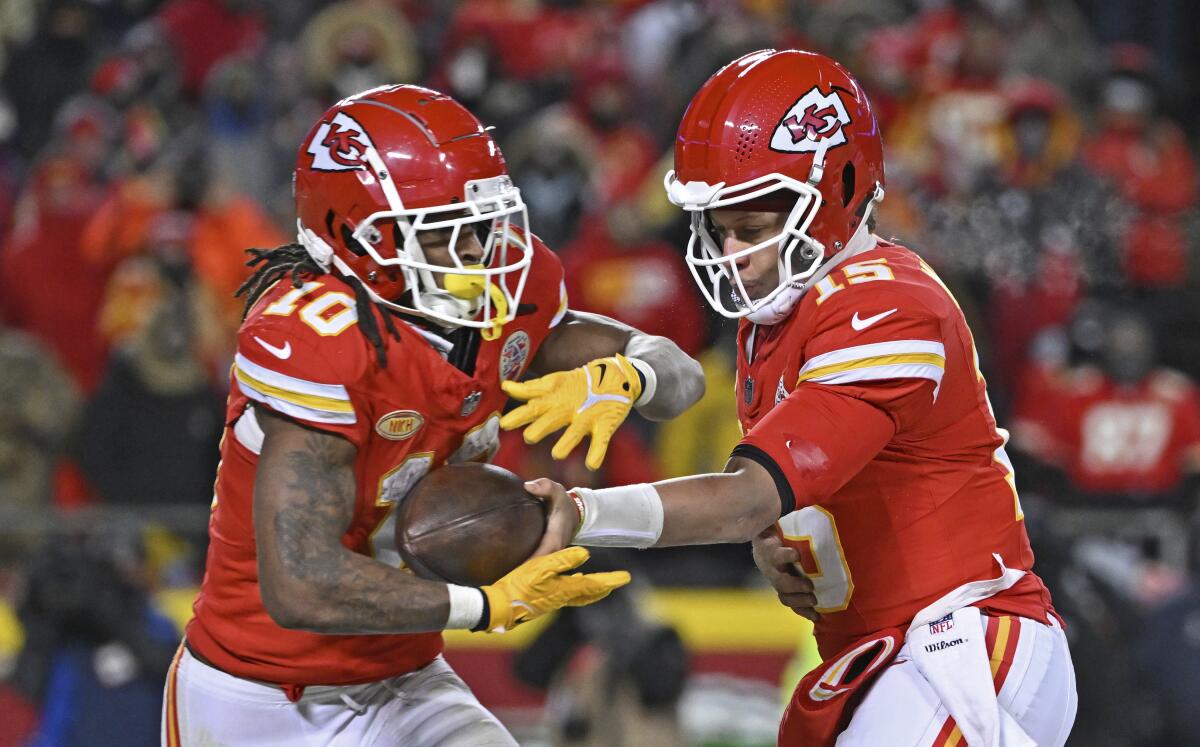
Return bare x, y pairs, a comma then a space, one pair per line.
303, 376
561, 310
814, 441
547, 283
883, 347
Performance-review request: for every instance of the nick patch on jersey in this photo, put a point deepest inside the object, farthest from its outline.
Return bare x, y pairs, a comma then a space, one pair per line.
400, 424
814, 124
340, 145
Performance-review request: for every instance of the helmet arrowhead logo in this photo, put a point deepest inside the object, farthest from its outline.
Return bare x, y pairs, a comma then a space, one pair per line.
339, 145
814, 123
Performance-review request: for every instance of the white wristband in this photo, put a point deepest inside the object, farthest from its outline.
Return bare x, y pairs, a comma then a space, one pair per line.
625, 516
651, 380
466, 607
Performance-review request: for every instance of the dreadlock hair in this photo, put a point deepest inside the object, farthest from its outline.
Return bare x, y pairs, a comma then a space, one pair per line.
294, 260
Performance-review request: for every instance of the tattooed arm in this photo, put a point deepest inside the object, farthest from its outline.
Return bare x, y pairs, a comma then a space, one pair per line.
304, 494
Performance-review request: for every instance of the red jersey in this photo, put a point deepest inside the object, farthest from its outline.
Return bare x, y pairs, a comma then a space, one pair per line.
1114, 438
867, 406
300, 353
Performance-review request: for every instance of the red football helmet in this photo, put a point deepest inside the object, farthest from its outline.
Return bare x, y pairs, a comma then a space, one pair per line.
384, 165
776, 130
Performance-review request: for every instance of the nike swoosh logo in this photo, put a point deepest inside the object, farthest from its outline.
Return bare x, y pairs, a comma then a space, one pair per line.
603, 370
861, 324
282, 353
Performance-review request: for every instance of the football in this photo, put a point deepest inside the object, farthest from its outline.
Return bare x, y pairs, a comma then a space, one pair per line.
468, 524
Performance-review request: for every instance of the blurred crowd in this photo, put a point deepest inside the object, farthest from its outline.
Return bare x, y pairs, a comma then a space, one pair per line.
1041, 155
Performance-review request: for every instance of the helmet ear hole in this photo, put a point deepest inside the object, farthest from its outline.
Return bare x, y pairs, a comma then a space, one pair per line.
350, 243
847, 184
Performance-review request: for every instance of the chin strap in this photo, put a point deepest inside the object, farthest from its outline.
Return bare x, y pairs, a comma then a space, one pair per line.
317, 248
862, 240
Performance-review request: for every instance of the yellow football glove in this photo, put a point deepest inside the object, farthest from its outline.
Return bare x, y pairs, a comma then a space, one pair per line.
537, 586
591, 400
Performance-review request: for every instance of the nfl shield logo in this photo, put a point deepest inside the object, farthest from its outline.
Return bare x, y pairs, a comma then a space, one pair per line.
470, 402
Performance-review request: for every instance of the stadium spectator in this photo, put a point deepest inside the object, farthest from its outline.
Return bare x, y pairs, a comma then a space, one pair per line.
352, 46
239, 125
1122, 433
96, 651
230, 27
616, 268
551, 157
181, 195
1167, 666
39, 406
624, 150
1145, 156
151, 69
48, 69
1038, 223
47, 287
149, 433
531, 40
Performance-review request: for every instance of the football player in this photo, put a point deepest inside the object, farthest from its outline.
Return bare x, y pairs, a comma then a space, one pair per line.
372, 352
871, 455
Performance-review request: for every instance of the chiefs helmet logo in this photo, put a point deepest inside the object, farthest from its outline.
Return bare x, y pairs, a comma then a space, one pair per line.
813, 124
339, 145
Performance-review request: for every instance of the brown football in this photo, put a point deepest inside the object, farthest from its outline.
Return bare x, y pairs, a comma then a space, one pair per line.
468, 524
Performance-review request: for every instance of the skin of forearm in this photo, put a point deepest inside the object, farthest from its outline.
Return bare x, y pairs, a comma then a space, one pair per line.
304, 499
579, 339
731, 507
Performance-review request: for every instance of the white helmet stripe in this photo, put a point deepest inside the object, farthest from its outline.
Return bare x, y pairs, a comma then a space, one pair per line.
384, 177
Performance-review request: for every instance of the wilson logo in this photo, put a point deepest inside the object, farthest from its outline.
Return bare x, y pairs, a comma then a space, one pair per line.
942, 645
400, 424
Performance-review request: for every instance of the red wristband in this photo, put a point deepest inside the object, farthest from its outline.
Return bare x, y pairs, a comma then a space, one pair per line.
579, 509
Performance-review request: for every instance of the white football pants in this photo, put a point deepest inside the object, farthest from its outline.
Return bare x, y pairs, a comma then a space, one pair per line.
1034, 674
431, 707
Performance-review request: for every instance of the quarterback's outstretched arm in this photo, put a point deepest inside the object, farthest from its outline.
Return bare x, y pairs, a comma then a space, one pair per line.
836, 435
304, 493
594, 371
733, 506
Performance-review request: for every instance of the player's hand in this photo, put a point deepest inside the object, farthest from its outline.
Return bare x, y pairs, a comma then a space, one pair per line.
591, 400
538, 586
779, 564
562, 516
